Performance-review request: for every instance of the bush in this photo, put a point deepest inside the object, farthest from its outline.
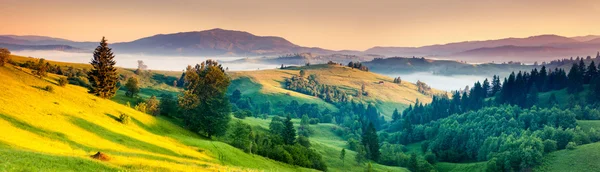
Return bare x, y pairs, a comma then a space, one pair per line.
430, 158
549, 146
141, 107
124, 118
62, 81
313, 121
571, 145
49, 88
81, 81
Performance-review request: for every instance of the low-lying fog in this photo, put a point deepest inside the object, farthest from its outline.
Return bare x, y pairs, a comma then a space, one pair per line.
440, 82
179, 63
171, 63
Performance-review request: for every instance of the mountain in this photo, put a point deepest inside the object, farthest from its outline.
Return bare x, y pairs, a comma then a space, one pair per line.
215, 42
18, 47
304, 58
530, 49
585, 38
451, 48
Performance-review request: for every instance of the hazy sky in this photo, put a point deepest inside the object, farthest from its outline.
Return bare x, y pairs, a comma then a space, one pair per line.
333, 24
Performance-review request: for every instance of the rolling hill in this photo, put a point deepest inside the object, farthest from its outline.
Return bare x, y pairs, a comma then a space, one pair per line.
61, 129
386, 95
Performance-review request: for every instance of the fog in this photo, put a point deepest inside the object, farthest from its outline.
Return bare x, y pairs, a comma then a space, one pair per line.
170, 63
179, 63
440, 82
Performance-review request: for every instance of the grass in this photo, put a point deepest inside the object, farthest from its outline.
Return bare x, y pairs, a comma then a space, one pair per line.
582, 158
267, 84
58, 131
329, 145
460, 167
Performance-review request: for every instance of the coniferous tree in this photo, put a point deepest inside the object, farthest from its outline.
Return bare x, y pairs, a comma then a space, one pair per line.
486, 88
371, 143
590, 73
575, 84
496, 86
395, 116
532, 97
204, 104
103, 76
289, 132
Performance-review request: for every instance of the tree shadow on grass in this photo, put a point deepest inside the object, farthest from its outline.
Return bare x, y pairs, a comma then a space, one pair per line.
122, 139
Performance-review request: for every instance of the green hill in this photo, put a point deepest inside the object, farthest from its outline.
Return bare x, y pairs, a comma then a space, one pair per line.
265, 85
59, 130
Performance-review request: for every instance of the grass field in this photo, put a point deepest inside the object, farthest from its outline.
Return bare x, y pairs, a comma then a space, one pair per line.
329, 145
267, 84
582, 158
59, 130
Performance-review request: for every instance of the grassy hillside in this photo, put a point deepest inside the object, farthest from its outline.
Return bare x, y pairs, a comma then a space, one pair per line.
59, 130
329, 145
268, 84
582, 158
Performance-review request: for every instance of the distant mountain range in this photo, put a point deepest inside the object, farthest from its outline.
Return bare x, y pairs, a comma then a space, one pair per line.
220, 42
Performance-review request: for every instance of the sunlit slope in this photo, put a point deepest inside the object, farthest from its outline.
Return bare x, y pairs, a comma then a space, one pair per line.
382, 91
59, 130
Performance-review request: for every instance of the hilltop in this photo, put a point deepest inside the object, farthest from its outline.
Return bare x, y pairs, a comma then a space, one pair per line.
386, 95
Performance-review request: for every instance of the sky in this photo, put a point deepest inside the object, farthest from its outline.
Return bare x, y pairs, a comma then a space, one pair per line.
331, 24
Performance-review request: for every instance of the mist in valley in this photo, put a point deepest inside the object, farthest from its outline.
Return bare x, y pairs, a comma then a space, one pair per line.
441, 82
168, 63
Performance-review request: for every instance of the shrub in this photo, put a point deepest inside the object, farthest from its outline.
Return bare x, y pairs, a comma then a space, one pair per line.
81, 81
549, 146
430, 157
141, 107
49, 88
239, 115
124, 118
314, 121
571, 145
62, 81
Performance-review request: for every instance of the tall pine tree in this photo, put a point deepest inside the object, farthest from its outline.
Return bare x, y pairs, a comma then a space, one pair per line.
289, 132
103, 76
591, 72
371, 143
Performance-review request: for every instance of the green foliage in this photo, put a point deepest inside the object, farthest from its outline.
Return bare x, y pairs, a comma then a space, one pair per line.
4, 56
132, 87
124, 118
204, 105
549, 146
371, 143
311, 86
571, 145
168, 105
241, 136
103, 76
289, 132
62, 81
241, 114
